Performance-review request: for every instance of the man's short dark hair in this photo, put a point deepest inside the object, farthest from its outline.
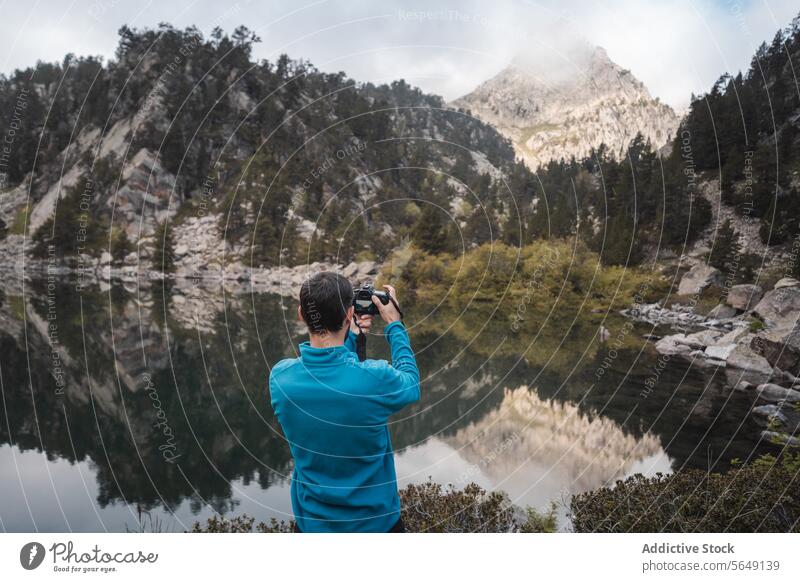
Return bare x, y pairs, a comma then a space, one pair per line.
324, 301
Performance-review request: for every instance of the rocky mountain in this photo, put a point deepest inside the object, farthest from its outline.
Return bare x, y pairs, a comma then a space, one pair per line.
261, 163
552, 115
185, 154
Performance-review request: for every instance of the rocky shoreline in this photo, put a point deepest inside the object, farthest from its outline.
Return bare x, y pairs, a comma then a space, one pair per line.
754, 335
191, 270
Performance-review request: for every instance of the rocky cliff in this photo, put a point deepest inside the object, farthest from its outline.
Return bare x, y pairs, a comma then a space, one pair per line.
550, 115
261, 163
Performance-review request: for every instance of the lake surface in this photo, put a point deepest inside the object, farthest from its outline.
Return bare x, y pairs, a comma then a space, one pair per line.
126, 409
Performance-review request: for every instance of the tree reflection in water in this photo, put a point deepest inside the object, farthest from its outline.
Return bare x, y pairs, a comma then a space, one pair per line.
197, 359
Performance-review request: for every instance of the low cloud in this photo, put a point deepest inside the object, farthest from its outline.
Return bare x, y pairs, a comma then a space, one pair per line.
676, 47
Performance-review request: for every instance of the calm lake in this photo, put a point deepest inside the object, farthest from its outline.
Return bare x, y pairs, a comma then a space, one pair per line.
126, 408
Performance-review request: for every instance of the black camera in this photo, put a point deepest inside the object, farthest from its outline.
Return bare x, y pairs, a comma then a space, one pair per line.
362, 300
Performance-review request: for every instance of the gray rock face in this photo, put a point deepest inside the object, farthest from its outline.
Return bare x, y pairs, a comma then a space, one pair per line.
780, 307
744, 358
780, 347
698, 278
147, 195
775, 393
722, 311
744, 297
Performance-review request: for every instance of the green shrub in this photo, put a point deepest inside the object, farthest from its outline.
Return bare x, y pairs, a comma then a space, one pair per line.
241, 524
761, 497
430, 508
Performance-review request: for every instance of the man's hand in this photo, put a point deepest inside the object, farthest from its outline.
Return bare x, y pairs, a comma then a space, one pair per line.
388, 312
365, 321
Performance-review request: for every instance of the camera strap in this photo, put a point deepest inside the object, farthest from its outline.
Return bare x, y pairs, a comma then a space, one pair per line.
361, 338
396, 306
361, 342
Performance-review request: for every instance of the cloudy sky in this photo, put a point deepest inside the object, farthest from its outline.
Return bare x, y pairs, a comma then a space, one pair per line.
447, 47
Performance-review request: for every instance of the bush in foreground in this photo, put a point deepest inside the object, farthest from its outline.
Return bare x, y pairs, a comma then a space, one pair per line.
760, 497
428, 507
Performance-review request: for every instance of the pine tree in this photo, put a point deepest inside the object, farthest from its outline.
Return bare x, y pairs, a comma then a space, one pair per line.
621, 246
430, 233
726, 247
352, 240
481, 226
732, 172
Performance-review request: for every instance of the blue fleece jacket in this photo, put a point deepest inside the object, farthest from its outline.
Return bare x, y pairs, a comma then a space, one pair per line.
333, 410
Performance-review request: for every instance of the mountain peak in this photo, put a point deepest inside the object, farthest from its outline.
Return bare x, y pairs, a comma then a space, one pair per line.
600, 53
563, 107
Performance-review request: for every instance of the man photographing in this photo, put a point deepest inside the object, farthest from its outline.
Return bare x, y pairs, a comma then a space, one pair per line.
334, 410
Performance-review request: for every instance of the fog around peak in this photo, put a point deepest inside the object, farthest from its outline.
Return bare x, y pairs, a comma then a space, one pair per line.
675, 47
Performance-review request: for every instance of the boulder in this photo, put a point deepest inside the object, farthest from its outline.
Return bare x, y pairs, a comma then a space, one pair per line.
786, 282
774, 393
744, 297
105, 258
700, 339
670, 346
734, 336
780, 347
734, 376
367, 267
780, 307
771, 413
699, 278
744, 358
720, 352
722, 311
350, 270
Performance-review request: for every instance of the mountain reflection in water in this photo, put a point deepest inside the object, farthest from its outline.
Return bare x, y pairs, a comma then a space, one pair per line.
536, 450
128, 402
